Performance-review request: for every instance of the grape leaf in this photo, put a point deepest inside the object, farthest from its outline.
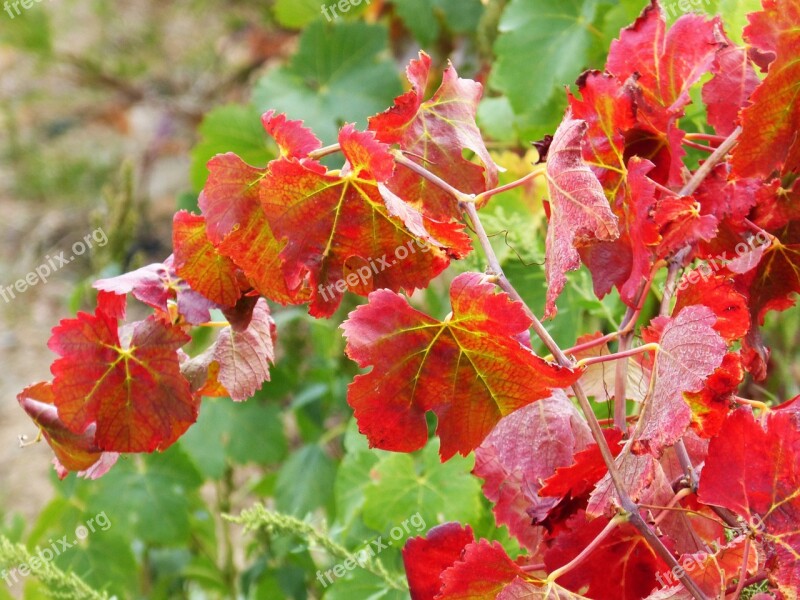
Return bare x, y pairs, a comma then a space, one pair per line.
426, 557
199, 264
340, 232
547, 42
770, 124
711, 404
470, 369
580, 213
237, 226
436, 133
133, 389
623, 557
718, 293
156, 285
244, 356
728, 92
690, 351
665, 64
74, 452
754, 470
315, 87
525, 448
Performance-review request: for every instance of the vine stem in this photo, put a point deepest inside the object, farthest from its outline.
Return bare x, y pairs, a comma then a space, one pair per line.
626, 503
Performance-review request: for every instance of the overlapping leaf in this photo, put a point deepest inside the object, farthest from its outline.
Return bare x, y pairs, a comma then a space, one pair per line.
74, 452
469, 369
436, 133
580, 213
200, 264
770, 124
130, 386
754, 470
341, 234
525, 448
690, 351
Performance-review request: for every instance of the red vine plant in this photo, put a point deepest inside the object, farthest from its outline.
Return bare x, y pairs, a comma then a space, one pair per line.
694, 494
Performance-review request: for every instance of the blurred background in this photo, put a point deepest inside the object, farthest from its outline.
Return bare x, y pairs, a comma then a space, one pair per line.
108, 113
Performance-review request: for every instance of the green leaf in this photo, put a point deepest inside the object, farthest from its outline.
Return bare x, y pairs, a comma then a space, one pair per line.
543, 45
363, 585
91, 563
151, 497
404, 485
305, 482
232, 128
351, 480
423, 17
296, 14
341, 73
227, 430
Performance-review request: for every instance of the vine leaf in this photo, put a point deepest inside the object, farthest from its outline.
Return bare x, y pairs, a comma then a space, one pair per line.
426, 557
244, 355
436, 133
200, 264
664, 64
129, 385
525, 448
623, 557
579, 211
690, 351
339, 232
237, 226
470, 369
770, 124
156, 285
753, 469
74, 452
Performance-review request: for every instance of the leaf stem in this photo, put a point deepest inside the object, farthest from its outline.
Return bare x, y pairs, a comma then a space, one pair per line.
538, 172
593, 360
610, 526
460, 196
324, 151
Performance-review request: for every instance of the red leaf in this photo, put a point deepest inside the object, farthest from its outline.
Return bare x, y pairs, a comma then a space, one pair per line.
587, 469
74, 452
133, 390
483, 571
754, 471
690, 351
238, 227
580, 213
525, 448
711, 405
624, 558
294, 140
718, 293
435, 133
728, 92
200, 264
665, 64
155, 285
767, 26
609, 110
637, 473
244, 355
470, 369
770, 124
340, 232
425, 558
